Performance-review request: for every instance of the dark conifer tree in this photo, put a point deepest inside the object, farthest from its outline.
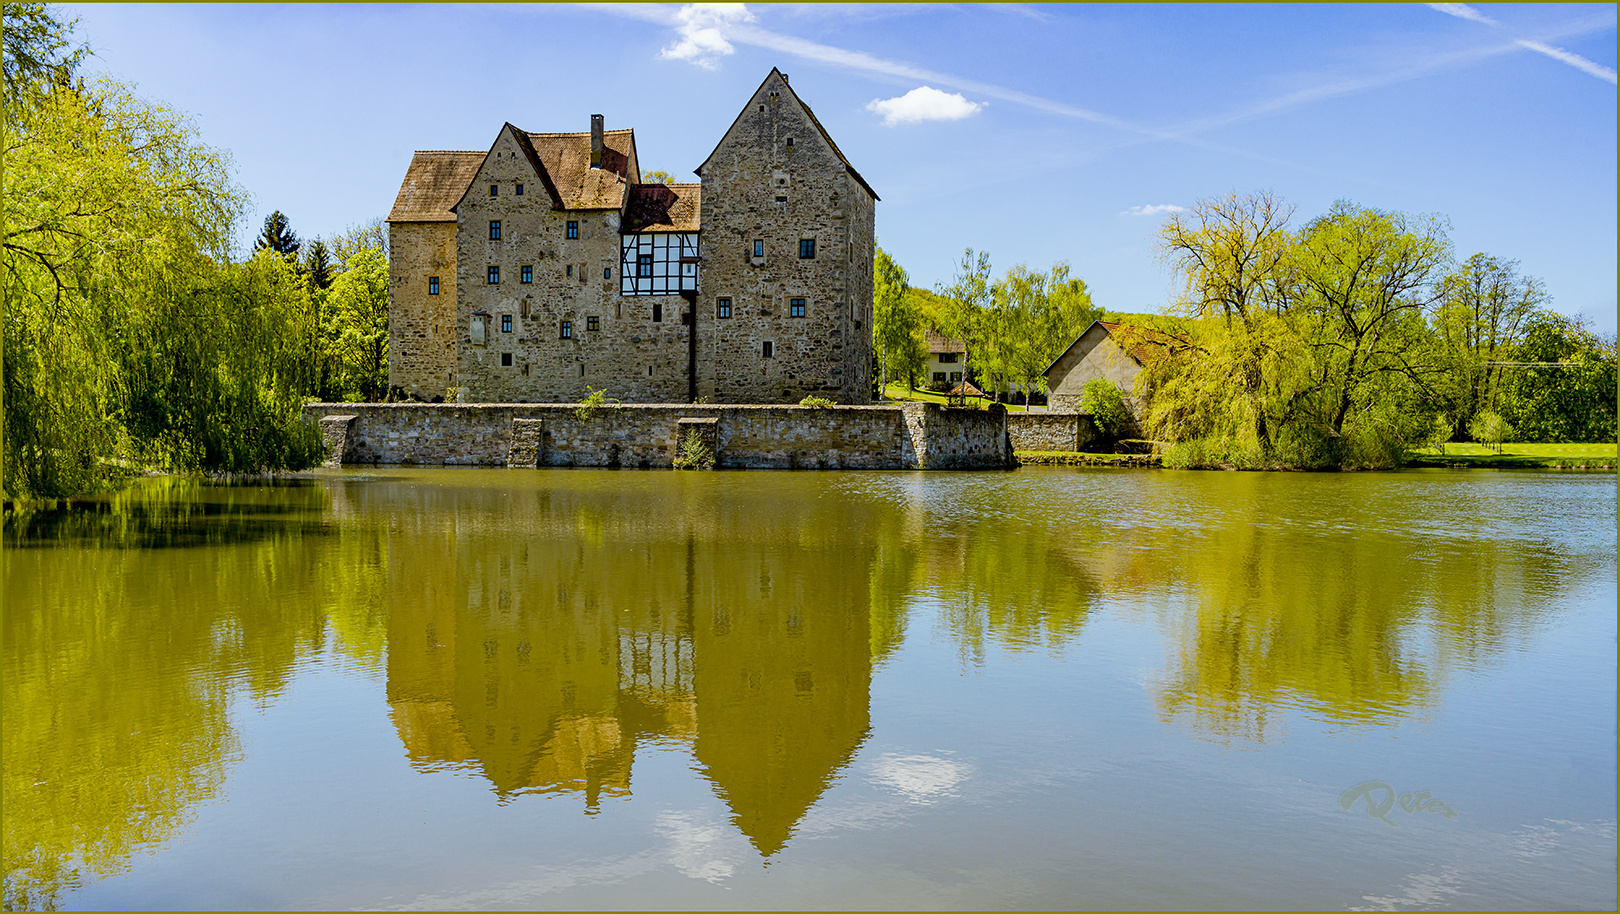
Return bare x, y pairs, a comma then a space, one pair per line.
278, 236
318, 265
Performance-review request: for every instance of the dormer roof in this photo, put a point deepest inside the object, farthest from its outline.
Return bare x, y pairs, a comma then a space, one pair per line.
663, 208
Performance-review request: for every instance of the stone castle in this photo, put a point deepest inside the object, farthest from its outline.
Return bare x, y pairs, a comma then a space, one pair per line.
544, 268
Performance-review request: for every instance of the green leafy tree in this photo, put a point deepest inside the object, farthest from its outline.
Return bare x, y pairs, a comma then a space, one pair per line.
1489, 428
961, 313
369, 235
277, 235
1106, 404
1480, 317
895, 320
128, 339
657, 177
1567, 390
357, 325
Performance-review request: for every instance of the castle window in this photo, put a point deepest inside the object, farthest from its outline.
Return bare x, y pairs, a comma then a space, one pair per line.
768, 349
759, 248
807, 248
506, 323
790, 141
644, 264
506, 360
570, 270
567, 329
593, 323
494, 189
519, 190
433, 285
573, 229
526, 273
494, 230
795, 307
607, 272
781, 198
723, 307
494, 275
658, 313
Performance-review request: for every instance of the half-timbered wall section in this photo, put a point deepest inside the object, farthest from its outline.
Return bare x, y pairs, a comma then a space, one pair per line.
658, 263
542, 269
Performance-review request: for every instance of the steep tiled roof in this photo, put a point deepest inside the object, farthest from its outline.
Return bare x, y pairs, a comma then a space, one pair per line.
938, 342
663, 208
567, 158
434, 183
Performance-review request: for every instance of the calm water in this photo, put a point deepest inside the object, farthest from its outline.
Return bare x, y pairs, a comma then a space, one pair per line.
1040, 689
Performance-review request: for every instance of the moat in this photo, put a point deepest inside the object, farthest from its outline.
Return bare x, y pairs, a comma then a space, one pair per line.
1047, 688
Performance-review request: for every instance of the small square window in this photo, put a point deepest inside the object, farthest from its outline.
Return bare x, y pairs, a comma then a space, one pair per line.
607, 272
759, 248
494, 275
494, 230
790, 141
643, 264
795, 307
573, 229
567, 329
723, 307
593, 323
494, 189
570, 271
526, 273
506, 323
807, 248
506, 360
433, 285
781, 198
768, 349
658, 313
519, 190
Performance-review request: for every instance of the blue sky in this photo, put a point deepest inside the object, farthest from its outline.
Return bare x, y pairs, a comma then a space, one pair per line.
1036, 133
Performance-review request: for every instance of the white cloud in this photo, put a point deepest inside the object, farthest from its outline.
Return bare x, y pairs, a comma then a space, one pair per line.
701, 27
923, 103
922, 778
1574, 60
1462, 11
1154, 209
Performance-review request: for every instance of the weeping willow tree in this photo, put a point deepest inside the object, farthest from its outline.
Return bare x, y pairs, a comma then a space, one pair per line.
130, 339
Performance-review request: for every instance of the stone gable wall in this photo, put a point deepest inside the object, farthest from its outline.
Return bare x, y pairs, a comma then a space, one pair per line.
827, 352
911, 436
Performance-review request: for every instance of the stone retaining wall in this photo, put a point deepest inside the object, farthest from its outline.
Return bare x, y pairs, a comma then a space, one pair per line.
905, 436
1054, 431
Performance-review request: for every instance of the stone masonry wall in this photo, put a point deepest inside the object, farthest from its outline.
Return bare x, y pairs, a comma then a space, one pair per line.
628, 353
421, 327
775, 179
1054, 431
912, 436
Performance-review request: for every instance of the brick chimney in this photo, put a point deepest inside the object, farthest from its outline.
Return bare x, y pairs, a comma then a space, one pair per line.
596, 141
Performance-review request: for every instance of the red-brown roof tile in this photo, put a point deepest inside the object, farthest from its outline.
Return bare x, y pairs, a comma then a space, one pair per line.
663, 208
433, 184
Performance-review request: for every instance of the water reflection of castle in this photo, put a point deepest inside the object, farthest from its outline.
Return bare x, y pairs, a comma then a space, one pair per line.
544, 662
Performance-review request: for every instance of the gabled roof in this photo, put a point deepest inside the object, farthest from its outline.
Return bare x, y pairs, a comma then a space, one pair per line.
567, 157
522, 141
938, 342
663, 208
433, 184
813, 120
1145, 344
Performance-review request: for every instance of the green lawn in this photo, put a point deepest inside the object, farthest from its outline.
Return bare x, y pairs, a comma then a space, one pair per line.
1518, 454
899, 392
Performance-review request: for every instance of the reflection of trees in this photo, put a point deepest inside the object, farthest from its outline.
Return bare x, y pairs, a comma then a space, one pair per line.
122, 648
1297, 593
